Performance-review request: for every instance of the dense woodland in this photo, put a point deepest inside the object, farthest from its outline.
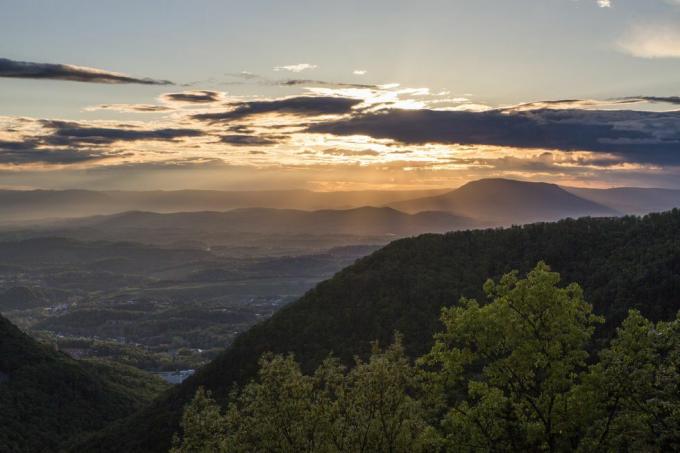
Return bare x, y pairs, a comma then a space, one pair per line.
516, 374
621, 264
46, 397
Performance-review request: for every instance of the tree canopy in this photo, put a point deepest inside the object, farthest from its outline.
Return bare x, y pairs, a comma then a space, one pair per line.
516, 373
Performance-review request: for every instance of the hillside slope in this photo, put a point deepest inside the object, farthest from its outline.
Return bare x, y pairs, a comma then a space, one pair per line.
622, 263
47, 398
505, 201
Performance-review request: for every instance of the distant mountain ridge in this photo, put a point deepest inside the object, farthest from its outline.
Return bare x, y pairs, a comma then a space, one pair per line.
499, 199
358, 221
506, 201
21, 205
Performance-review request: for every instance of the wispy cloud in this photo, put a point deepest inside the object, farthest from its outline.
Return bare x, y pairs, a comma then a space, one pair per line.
322, 83
28, 70
604, 3
127, 108
66, 133
28, 152
652, 41
299, 105
193, 97
296, 67
249, 140
359, 72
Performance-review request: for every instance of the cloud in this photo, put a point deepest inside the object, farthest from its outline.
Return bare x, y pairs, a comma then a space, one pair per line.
250, 140
139, 108
649, 137
359, 72
322, 83
296, 67
28, 70
675, 100
604, 3
299, 105
70, 133
26, 152
652, 41
256, 78
569, 104
194, 97
562, 104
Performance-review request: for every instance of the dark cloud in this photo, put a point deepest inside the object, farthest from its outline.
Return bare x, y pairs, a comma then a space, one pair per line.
250, 140
25, 152
592, 103
262, 80
569, 104
71, 133
644, 137
194, 97
675, 100
322, 83
300, 105
143, 108
28, 70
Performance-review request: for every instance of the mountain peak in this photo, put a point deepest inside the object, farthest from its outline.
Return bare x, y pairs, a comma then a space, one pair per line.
505, 201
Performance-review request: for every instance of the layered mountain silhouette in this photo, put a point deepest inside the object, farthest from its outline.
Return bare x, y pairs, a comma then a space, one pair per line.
499, 201
505, 201
23, 205
359, 221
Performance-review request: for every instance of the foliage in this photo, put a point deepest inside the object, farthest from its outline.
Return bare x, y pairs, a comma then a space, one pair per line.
621, 264
47, 398
510, 375
508, 367
632, 396
369, 408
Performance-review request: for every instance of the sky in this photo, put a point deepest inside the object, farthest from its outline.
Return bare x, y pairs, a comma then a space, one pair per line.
349, 95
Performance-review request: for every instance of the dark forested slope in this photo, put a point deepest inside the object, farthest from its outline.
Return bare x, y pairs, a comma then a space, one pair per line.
47, 397
622, 263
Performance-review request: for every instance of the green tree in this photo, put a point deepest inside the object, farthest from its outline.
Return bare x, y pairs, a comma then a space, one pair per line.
203, 426
377, 407
370, 408
633, 394
508, 369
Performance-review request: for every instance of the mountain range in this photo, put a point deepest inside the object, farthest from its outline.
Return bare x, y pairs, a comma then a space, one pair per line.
358, 221
23, 205
486, 202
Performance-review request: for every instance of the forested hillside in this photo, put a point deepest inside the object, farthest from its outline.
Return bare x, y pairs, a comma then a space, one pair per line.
516, 373
47, 397
621, 263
